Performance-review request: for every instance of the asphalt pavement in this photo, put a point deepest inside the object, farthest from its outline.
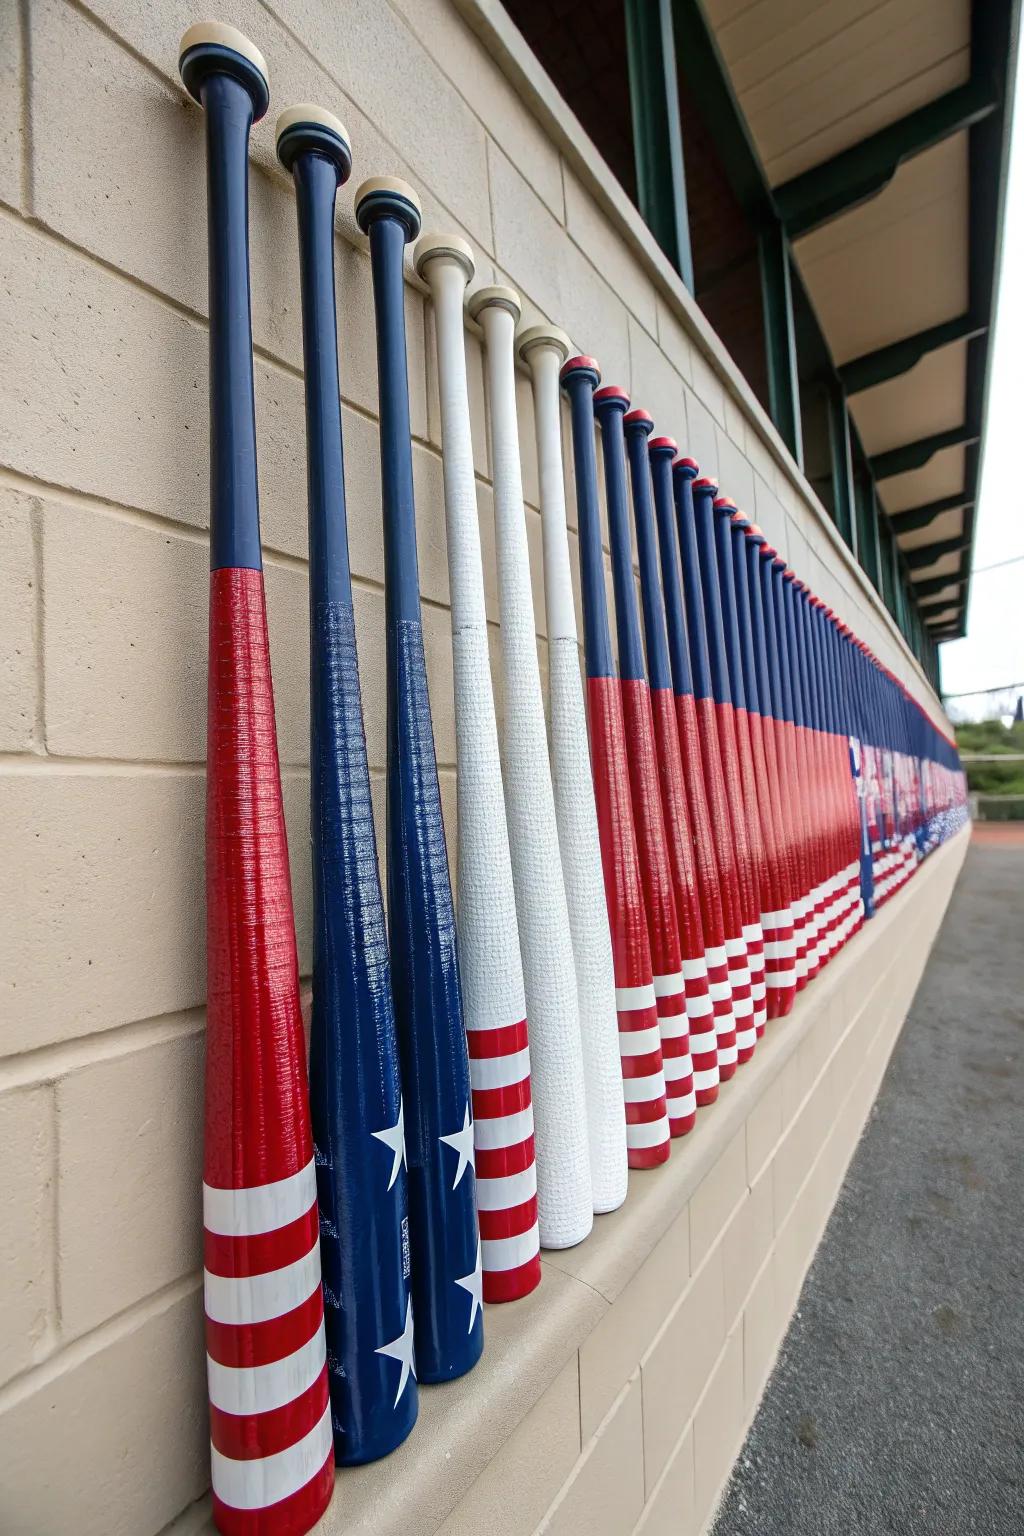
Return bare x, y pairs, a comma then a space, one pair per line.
897, 1403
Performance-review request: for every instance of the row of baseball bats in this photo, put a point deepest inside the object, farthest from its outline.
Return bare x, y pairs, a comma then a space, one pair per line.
648, 871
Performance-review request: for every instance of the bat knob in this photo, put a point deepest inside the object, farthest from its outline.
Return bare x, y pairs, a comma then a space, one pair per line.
388, 197
543, 336
662, 447
609, 400
308, 129
640, 421
496, 297
213, 48
435, 247
687, 468
580, 367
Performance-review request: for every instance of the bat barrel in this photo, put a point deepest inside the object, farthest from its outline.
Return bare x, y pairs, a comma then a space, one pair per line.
492, 973
642, 1064
565, 1197
444, 1233
272, 1460
355, 1093
544, 349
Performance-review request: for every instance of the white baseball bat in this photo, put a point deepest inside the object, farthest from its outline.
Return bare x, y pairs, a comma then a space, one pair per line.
494, 997
544, 349
560, 1114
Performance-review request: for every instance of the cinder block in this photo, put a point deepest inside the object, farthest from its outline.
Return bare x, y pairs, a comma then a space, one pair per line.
111, 909
136, 373
674, 341
746, 1243
657, 385
130, 1171
716, 1197
669, 1509
385, 69
531, 246
606, 1493
11, 150
613, 1351
735, 422
535, 1461
677, 1364
18, 597
116, 1443
769, 511
462, 57
26, 1228
701, 443
609, 253
707, 385
527, 439
764, 1128
125, 672
764, 1327
735, 475
718, 1426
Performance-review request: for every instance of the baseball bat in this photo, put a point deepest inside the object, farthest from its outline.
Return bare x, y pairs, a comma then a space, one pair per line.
447, 1281
355, 1094
753, 773
661, 452
642, 1066
663, 927
494, 995
679, 840
739, 1026
704, 491
777, 922
544, 349
564, 1196
804, 776
272, 1458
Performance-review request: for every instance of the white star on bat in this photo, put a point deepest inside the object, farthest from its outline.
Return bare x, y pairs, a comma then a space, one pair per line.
462, 1142
474, 1284
394, 1139
400, 1349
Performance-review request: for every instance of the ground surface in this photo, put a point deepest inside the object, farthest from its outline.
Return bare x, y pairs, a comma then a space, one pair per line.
897, 1404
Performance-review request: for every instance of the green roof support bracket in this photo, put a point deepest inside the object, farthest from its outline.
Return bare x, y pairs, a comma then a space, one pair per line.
898, 461
900, 356
928, 511
921, 559
858, 173
657, 135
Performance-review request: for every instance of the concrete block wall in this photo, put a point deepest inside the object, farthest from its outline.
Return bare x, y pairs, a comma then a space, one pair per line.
103, 517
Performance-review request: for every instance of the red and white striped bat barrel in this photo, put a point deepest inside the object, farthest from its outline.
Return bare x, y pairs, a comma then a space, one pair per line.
272, 1453
647, 1139
794, 800
829, 672
610, 406
704, 491
494, 997
544, 349
809, 794
447, 1279
773, 903
564, 1198
739, 1027
779, 939
355, 1094
803, 673
711, 968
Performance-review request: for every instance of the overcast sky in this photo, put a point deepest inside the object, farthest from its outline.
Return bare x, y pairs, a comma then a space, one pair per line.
992, 653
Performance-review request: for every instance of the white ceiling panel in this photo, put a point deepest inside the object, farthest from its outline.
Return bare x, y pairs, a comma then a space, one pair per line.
948, 525
929, 398
943, 475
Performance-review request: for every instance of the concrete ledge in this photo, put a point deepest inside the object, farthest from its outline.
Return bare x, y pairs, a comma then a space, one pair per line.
617, 1395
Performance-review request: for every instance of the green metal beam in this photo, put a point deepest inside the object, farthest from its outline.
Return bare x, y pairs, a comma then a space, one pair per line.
920, 517
657, 135
915, 455
920, 559
842, 466
780, 337
900, 356
863, 170
867, 521
923, 590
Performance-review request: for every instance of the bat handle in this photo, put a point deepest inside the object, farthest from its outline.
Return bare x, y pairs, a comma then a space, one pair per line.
227, 76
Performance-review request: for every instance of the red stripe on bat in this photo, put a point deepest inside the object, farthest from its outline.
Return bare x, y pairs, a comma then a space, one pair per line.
510, 1222
506, 1040
262, 1251
245, 1344
498, 1162
492, 1103
288, 1517
248, 1436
